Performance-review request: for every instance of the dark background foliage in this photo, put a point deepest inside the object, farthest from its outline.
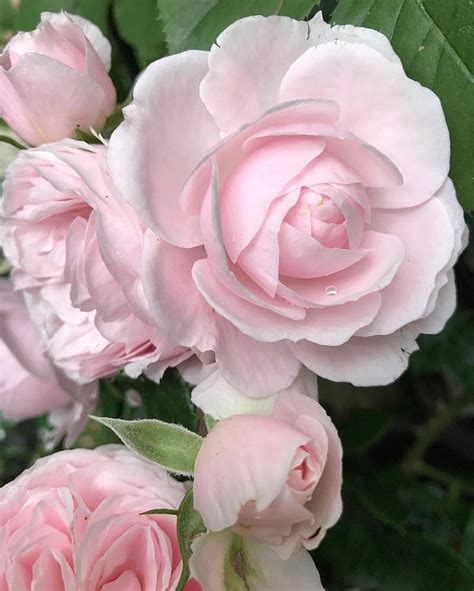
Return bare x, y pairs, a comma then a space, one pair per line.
408, 522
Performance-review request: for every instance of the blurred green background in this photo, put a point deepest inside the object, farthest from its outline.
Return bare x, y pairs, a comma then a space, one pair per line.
408, 522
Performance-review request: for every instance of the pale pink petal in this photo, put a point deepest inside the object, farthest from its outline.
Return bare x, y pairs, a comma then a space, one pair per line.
375, 271
415, 135
238, 355
267, 170
175, 302
166, 132
37, 88
217, 398
261, 259
362, 361
244, 76
302, 256
230, 275
260, 450
426, 254
329, 326
444, 307
326, 502
351, 34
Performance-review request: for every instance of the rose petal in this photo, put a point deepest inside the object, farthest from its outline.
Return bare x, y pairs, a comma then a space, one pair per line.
166, 132
416, 137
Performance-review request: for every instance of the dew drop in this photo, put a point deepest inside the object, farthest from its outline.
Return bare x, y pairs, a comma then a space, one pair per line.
331, 290
234, 237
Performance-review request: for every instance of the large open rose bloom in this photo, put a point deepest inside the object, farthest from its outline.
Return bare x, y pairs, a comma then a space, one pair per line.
76, 246
54, 80
298, 182
30, 385
72, 522
276, 478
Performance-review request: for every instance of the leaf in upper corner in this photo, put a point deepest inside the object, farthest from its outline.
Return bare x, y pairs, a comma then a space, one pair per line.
196, 25
434, 40
138, 24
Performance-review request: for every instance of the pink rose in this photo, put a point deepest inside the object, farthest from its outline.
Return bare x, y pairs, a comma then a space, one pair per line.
72, 522
277, 478
288, 188
29, 384
76, 246
54, 79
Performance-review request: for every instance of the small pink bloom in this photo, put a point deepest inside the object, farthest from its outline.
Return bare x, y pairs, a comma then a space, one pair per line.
72, 522
54, 80
277, 478
288, 188
29, 384
76, 247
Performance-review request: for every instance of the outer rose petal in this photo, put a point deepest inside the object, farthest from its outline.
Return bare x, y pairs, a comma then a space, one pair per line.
261, 462
37, 88
238, 355
326, 502
444, 308
23, 395
328, 326
217, 398
362, 361
266, 570
426, 254
175, 303
95, 36
417, 141
244, 76
166, 132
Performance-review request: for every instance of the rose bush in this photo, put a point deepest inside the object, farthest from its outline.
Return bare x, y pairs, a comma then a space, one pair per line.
76, 246
72, 522
54, 80
288, 188
276, 478
29, 384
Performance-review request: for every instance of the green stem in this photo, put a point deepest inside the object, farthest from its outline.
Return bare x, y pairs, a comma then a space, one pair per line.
6, 139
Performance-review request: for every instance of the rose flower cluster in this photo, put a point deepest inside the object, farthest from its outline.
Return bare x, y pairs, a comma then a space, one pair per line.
276, 208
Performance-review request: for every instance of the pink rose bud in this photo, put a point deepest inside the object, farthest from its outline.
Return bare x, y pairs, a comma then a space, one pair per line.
277, 478
73, 522
54, 79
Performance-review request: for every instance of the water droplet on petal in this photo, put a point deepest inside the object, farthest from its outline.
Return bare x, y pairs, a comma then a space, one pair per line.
331, 290
234, 237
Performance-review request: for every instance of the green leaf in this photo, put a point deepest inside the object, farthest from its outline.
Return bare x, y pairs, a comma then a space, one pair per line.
189, 525
378, 557
29, 11
139, 26
363, 429
467, 545
6, 19
171, 446
196, 25
435, 43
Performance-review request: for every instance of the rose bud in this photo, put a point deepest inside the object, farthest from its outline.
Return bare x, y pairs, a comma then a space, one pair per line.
277, 478
54, 79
